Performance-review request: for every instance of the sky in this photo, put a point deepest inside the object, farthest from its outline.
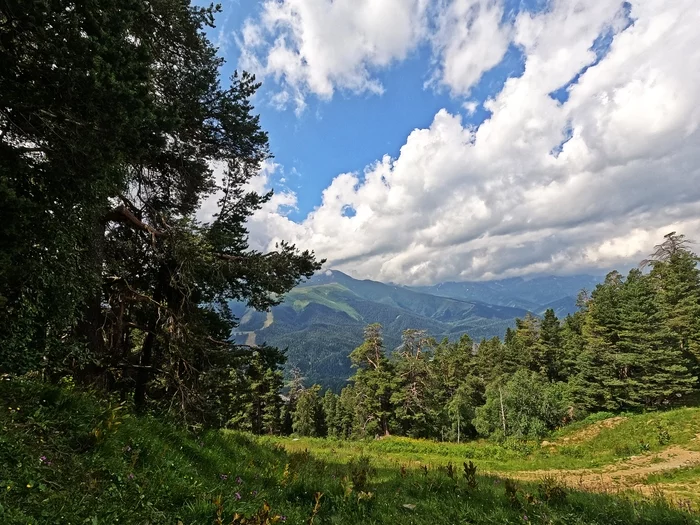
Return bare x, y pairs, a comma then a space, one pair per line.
420, 141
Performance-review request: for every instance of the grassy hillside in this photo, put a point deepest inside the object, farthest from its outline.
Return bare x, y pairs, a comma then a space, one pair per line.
67, 459
591, 443
322, 321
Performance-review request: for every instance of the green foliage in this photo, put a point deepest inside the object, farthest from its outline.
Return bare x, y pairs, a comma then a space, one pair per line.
307, 419
525, 406
106, 273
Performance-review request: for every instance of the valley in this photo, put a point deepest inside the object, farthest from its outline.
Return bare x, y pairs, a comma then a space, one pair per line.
321, 321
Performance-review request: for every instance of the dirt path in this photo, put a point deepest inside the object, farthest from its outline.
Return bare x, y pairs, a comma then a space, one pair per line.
625, 475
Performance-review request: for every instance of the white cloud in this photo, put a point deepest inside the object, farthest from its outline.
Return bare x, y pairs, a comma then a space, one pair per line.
463, 203
318, 46
470, 40
470, 107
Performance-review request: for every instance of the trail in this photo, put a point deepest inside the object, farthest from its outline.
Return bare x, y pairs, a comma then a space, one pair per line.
625, 475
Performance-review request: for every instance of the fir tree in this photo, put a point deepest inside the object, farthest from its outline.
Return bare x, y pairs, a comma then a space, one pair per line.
372, 384
676, 279
601, 333
307, 419
413, 412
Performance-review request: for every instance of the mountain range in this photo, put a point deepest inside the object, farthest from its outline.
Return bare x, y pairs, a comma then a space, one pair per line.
322, 320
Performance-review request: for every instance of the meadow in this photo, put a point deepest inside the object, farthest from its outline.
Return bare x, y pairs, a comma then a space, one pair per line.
66, 458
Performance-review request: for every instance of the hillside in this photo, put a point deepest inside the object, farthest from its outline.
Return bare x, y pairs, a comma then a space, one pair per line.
535, 294
67, 459
321, 321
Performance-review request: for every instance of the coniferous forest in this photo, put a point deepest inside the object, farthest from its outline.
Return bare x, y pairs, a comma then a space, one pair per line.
632, 346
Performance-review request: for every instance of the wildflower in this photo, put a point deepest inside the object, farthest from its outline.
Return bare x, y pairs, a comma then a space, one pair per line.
525, 517
238, 495
223, 477
131, 475
42, 459
254, 493
239, 480
29, 485
283, 518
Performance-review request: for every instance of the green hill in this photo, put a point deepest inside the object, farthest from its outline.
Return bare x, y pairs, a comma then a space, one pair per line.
68, 459
322, 321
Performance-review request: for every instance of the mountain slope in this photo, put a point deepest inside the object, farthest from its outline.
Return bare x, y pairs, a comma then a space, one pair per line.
528, 293
322, 321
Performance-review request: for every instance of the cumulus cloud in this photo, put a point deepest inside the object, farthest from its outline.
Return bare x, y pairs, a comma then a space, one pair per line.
318, 46
542, 186
470, 39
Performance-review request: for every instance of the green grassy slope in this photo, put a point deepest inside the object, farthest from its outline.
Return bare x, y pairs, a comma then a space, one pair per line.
588, 444
66, 459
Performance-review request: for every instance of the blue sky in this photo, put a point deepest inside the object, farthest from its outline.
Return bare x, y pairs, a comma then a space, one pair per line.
351, 131
589, 106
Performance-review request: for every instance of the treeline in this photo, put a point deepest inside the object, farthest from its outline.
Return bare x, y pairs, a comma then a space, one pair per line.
115, 128
634, 344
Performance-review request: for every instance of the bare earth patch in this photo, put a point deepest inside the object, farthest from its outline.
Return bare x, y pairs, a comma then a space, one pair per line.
591, 431
629, 474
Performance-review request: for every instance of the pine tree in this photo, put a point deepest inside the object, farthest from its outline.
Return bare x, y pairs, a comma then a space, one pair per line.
307, 419
600, 331
413, 412
372, 384
461, 407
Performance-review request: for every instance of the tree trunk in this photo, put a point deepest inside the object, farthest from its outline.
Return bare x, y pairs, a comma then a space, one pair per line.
89, 327
144, 371
503, 414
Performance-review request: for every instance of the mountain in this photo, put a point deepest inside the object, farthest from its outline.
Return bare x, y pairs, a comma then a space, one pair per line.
322, 320
535, 294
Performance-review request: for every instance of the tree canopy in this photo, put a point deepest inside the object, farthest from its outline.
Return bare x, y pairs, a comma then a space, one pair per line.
114, 127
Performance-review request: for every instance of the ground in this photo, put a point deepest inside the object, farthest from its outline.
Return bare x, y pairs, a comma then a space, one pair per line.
69, 458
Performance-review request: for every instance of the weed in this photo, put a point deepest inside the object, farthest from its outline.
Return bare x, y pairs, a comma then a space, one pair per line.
551, 491
663, 437
470, 474
360, 470
511, 492
317, 507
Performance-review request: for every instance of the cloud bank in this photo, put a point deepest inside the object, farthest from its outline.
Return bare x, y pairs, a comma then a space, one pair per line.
585, 161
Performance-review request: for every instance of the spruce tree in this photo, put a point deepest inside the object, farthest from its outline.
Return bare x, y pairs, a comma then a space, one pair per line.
307, 419
650, 369
372, 384
676, 279
547, 353
601, 333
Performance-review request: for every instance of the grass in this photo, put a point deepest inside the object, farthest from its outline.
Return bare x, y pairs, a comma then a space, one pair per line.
633, 435
329, 295
66, 458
